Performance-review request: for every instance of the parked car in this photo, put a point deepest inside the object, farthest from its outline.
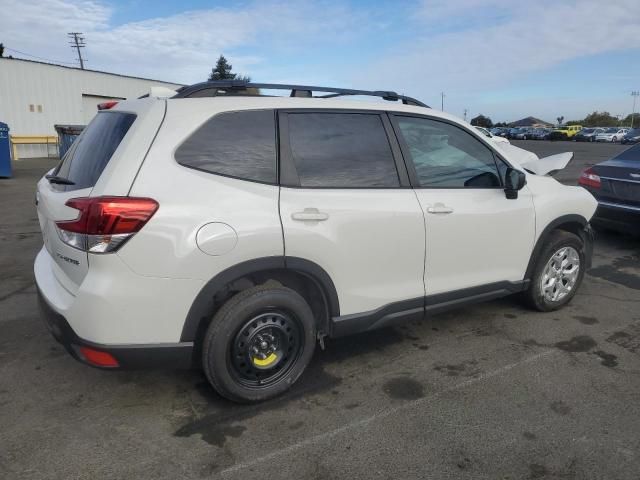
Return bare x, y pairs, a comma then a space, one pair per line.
234, 232
564, 132
632, 136
615, 183
612, 134
499, 131
525, 133
513, 132
588, 134
493, 138
541, 134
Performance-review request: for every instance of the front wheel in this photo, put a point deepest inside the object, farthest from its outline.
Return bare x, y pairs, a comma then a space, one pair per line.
614, 140
259, 343
558, 272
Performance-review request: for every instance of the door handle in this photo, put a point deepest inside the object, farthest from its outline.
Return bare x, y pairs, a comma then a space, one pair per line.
310, 215
440, 208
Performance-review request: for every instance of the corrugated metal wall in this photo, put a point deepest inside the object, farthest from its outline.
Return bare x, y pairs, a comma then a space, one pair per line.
35, 96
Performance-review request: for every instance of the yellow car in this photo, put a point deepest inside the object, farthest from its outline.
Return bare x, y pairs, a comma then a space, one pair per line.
563, 132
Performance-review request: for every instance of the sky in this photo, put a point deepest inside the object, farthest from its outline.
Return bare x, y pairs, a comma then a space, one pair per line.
503, 58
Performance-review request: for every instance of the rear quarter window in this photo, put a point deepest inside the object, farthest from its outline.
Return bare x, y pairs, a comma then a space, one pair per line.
90, 153
234, 144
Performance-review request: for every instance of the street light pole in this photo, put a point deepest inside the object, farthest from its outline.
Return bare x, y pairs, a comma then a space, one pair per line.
635, 95
442, 101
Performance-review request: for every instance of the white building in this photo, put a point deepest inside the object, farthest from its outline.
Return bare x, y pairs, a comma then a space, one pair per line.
35, 96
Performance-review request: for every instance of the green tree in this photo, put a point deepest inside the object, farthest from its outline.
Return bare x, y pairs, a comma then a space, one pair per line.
482, 121
1, 50
600, 119
500, 124
560, 119
222, 71
636, 120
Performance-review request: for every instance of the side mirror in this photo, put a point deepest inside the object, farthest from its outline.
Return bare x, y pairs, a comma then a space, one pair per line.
514, 180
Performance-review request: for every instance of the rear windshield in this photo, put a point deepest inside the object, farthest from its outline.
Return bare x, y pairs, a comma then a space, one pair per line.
85, 160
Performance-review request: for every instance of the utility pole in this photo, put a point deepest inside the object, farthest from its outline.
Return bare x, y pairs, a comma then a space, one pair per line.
466, 110
442, 101
77, 42
635, 95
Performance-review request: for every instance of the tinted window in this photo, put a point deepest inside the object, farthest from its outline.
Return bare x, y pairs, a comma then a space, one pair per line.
342, 150
446, 156
235, 144
85, 160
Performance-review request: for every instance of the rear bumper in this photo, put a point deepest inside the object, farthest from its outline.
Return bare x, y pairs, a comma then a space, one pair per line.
617, 216
173, 356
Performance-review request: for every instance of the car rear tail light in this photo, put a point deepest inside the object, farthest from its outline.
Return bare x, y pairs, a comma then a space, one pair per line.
589, 179
105, 223
107, 105
98, 358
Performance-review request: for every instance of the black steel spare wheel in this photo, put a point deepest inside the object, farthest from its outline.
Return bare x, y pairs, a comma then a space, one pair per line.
265, 348
259, 343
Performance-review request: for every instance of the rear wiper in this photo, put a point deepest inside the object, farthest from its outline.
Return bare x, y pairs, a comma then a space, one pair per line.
59, 180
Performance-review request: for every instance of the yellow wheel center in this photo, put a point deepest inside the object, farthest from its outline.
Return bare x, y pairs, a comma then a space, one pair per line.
265, 362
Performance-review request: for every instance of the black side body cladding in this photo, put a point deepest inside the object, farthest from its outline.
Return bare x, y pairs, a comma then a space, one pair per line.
584, 230
418, 308
203, 304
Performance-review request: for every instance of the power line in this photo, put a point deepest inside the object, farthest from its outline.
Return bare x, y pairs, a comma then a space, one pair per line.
77, 42
35, 56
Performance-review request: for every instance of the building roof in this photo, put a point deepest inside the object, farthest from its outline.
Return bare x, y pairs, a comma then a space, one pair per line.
86, 70
529, 122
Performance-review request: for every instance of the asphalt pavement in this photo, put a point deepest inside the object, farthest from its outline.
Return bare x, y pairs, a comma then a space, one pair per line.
492, 391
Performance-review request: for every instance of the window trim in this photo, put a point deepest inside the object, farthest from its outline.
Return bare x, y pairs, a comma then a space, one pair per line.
289, 173
75, 145
413, 176
276, 145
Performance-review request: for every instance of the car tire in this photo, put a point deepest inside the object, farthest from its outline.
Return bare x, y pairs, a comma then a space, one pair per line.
548, 290
614, 140
267, 323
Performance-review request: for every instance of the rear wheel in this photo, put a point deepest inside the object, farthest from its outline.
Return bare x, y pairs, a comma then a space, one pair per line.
558, 272
259, 343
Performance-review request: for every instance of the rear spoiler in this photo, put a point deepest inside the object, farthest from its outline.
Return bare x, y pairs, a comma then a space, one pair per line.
160, 92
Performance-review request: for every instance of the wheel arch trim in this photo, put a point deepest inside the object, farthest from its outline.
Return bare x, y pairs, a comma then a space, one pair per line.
204, 301
544, 235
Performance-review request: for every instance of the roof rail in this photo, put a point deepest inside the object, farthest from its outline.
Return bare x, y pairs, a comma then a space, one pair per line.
214, 88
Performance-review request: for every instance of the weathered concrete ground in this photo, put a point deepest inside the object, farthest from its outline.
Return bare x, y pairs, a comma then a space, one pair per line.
491, 391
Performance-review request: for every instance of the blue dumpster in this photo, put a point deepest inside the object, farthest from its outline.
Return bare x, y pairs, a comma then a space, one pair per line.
67, 135
5, 151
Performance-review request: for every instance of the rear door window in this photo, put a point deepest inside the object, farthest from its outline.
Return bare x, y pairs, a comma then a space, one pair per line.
234, 144
90, 153
341, 150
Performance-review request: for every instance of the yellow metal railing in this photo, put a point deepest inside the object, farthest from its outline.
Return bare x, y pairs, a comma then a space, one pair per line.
31, 140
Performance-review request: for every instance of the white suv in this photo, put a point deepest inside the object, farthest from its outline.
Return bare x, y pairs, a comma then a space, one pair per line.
230, 230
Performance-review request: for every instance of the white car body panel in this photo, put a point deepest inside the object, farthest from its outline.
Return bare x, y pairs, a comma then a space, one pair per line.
371, 245
465, 247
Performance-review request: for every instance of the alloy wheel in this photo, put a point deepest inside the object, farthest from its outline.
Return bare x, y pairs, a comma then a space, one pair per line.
560, 274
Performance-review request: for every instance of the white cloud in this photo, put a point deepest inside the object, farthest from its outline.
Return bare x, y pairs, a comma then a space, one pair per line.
180, 47
464, 47
530, 36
